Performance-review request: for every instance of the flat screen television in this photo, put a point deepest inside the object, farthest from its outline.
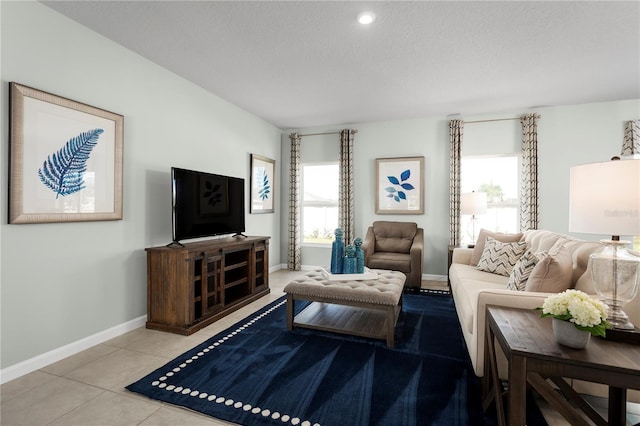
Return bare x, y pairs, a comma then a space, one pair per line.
205, 204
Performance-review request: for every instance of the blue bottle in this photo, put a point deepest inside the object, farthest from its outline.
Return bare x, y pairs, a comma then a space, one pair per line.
359, 256
350, 260
337, 253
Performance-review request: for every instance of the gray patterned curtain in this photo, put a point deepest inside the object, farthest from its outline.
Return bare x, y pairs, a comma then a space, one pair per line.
293, 261
631, 141
456, 128
345, 193
529, 178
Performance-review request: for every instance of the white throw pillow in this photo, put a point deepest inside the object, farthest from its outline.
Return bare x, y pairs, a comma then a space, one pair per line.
500, 258
521, 271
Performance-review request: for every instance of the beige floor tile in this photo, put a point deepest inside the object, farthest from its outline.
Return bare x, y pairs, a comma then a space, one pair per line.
46, 402
166, 345
23, 384
168, 416
108, 409
78, 360
117, 369
131, 337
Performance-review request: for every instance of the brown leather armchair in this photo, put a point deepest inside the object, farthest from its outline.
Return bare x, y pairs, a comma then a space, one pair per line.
397, 246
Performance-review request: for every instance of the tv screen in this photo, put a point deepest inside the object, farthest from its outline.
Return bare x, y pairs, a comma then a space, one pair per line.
206, 204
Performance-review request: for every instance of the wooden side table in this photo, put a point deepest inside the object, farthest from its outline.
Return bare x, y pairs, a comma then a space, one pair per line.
535, 357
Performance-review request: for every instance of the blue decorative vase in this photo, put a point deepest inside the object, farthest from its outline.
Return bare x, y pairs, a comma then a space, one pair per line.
337, 252
350, 260
359, 256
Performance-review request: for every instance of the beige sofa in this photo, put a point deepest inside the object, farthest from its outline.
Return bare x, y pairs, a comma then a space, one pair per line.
473, 290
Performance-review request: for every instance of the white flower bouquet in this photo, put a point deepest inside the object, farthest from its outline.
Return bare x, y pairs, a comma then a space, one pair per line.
585, 312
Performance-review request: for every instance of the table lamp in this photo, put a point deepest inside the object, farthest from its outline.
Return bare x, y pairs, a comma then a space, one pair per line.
473, 203
604, 198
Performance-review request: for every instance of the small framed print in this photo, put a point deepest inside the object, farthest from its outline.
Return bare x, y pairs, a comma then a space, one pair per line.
399, 185
65, 160
262, 184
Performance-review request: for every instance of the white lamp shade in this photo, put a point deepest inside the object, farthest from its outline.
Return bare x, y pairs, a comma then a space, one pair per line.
604, 198
473, 203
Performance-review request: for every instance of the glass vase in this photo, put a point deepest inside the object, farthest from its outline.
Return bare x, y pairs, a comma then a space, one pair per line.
616, 278
337, 253
350, 260
359, 255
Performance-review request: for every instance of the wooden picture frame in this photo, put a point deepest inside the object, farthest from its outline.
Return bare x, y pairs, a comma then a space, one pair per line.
400, 185
65, 162
263, 183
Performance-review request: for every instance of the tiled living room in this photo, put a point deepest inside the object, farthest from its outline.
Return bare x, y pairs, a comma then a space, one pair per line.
219, 87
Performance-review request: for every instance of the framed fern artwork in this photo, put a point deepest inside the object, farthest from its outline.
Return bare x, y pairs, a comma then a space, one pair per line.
400, 185
65, 160
262, 184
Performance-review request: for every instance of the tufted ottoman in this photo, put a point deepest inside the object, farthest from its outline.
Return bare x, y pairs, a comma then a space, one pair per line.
368, 308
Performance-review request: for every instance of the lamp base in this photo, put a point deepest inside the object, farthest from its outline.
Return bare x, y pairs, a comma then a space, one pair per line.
616, 277
627, 336
617, 318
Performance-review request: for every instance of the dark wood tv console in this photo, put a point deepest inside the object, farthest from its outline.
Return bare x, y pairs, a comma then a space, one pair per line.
192, 286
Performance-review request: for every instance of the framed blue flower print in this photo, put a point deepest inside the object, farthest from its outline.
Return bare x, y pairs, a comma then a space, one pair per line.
65, 161
400, 185
262, 184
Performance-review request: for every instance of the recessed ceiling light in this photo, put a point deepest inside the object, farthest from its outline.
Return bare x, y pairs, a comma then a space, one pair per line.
365, 18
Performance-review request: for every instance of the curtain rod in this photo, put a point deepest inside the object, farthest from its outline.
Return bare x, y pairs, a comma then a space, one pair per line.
487, 121
328, 133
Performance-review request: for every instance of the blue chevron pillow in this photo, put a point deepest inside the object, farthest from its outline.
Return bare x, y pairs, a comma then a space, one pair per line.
500, 258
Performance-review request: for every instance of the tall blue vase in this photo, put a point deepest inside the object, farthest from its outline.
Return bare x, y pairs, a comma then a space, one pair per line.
350, 260
359, 256
337, 253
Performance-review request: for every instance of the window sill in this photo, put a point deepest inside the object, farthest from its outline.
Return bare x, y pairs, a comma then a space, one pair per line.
315, 245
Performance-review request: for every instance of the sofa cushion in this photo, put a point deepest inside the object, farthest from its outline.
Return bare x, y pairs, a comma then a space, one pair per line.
392, 261
553, 272
500, 258
543, 240
482, 238
522, 271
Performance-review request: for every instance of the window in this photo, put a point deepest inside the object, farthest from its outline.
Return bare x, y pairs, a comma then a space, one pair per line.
319, 202
499, 177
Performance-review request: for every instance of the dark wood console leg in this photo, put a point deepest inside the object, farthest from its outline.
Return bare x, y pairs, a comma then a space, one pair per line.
617, 406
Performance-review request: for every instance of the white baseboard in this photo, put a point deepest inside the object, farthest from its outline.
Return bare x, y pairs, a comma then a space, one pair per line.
20, 369
277, 267
432, 277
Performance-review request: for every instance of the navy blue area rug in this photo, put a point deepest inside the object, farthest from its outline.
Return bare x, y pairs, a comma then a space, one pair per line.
258, 373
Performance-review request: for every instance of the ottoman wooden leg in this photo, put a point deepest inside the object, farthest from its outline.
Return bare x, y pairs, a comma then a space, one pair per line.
391, 326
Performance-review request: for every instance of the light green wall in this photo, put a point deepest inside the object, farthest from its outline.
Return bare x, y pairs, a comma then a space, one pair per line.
567, 136
63, 282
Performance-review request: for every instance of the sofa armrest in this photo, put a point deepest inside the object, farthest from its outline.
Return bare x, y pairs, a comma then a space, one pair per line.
416, 254
462, 255
417, 247
369, 244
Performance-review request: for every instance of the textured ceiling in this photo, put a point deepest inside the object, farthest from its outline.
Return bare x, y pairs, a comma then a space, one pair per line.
302, 64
